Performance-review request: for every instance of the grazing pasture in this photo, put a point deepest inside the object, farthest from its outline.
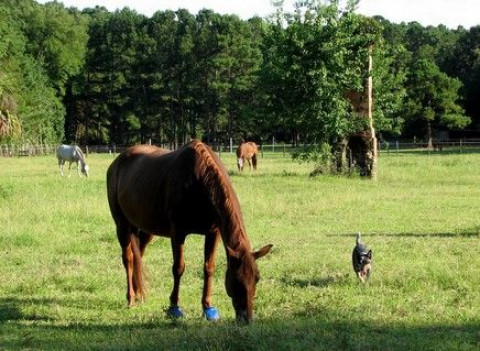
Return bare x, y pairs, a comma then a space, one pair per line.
62, 283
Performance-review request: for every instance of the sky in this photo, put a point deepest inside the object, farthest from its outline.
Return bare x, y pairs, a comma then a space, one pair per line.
451, 13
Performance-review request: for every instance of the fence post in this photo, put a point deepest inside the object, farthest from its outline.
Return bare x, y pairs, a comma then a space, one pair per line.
396, 145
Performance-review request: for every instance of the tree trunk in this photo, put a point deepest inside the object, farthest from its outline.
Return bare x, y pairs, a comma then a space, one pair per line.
373, 161
363, 144
429, 137
341, 160
4, 125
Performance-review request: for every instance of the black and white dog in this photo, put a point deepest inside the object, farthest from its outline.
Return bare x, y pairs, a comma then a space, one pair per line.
362, 260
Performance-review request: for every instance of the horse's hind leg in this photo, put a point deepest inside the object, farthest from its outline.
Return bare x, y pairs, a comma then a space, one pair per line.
127, 259
131, 259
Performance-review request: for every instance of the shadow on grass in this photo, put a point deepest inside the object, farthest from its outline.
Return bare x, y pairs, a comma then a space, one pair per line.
474, 232
424, 151
256, 174
320, 282
322, 329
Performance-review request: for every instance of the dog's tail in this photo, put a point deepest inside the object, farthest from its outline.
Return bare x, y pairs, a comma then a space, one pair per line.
359, 238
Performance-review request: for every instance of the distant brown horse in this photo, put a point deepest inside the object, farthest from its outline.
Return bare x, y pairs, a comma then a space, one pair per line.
247, 151
156, 192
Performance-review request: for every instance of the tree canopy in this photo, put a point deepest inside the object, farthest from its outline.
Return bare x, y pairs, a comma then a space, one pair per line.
95, 76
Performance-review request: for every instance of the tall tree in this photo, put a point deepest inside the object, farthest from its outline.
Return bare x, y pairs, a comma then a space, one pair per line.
107, 96
39, 55
432, 97
315, 71
57, 38
464, 64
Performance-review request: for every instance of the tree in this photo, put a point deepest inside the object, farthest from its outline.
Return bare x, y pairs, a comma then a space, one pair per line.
432, 98
103, 95
34, 70
57, 38
464, 64
315, 73
235, 64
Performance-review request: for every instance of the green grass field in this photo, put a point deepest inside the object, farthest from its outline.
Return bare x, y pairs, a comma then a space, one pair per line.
62, 283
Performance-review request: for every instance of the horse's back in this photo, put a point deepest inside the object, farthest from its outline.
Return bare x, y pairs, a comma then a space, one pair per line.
253, 147
65, 152
61, 150
153, 188
136, 161
69, 152
247, 150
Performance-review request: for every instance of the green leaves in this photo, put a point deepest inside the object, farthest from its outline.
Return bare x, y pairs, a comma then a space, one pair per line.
433, 95
320, 56
122, 77
42, 46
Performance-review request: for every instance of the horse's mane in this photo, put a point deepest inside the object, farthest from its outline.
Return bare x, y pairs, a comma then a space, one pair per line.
214, 176
80, 154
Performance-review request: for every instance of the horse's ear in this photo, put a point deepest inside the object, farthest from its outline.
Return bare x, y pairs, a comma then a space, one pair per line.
262, 252
233, 253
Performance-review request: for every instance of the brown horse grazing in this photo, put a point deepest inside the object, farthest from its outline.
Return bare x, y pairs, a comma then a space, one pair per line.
156, 192
247, 151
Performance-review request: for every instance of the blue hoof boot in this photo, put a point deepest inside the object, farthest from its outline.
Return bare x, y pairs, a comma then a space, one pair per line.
175, 312
211, 314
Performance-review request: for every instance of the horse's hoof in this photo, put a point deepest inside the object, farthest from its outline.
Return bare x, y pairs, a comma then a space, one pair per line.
211, 314
175, 312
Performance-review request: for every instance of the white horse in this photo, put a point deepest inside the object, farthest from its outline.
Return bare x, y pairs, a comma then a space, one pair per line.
71, 153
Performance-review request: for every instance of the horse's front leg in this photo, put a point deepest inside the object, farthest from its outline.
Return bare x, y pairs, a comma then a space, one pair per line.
178, 268
60, 165
211, 243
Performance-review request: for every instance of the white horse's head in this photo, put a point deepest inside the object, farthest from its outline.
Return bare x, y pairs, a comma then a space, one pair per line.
85, 169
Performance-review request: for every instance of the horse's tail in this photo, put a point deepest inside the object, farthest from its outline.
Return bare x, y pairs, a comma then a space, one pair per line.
254, 161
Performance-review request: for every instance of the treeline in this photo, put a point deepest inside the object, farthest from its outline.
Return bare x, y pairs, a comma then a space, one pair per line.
97, 77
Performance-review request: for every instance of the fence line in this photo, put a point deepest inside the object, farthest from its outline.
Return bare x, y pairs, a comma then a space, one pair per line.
19, 150
26, 150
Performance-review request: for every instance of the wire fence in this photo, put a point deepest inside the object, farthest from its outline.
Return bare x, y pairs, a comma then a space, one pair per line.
279, 149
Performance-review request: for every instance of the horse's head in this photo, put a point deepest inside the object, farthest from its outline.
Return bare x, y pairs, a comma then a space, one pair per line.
85, 169
241, 280
240, 163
